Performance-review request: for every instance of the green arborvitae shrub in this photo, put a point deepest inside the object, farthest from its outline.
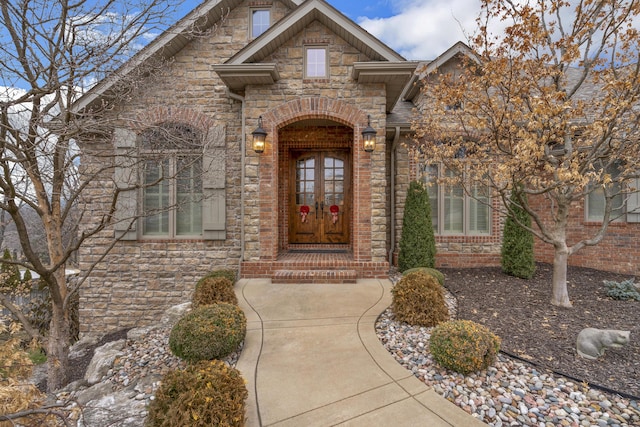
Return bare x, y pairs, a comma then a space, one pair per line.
28, 277
10, 271
418, 299
208, 332
208, 393
517, 257
211, 290
463, 346
227, 273
625, 290
432, 271
417, 243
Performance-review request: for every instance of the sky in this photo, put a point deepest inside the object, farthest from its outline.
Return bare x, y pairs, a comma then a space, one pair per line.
417, 29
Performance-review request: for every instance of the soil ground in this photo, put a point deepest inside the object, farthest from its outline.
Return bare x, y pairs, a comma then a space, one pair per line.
520, 312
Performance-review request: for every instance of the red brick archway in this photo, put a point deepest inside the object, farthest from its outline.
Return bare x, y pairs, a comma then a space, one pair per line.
315, 108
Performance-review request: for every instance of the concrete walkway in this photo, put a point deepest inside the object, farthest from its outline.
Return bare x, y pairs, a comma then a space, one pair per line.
312, 358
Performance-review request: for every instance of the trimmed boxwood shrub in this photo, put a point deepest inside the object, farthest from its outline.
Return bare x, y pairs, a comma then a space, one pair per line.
227, 273
418, 299
432, 271
417, 243
463, 346
208, 332
208, 393
211, 290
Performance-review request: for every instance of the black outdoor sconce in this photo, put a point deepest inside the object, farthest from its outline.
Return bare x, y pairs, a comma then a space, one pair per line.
259, 137
369, 137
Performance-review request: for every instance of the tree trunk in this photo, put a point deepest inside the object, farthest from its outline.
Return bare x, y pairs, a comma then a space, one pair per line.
58, 349
560, 294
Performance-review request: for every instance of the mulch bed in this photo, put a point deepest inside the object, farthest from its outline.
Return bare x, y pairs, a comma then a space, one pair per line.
520, 312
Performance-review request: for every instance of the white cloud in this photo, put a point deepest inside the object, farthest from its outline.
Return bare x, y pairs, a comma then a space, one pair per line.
423, 29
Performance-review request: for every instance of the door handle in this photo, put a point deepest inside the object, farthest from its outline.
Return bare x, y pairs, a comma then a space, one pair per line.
322, 209
316, 210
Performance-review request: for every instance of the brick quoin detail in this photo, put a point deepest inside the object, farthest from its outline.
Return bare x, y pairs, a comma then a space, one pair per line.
304, 109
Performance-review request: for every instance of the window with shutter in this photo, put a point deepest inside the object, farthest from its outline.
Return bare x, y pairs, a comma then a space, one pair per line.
171, 182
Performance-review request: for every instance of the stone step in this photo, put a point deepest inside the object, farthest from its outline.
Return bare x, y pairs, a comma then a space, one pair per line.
314, 276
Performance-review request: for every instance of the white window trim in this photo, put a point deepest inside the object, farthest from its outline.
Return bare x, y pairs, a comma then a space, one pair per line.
466, 209
252, 10
326, 61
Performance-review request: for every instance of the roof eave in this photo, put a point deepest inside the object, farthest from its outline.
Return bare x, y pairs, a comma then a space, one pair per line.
395, 75
165, 46
236, 77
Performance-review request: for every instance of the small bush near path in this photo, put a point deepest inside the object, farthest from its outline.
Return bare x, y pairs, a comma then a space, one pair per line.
208, 332
208, 393
463, 346
418, 299
211, 290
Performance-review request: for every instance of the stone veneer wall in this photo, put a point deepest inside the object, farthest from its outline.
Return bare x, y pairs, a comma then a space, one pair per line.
137, 280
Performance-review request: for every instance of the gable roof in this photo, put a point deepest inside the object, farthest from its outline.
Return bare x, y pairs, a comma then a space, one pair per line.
459, 48
170, 42
385, 66
296, 21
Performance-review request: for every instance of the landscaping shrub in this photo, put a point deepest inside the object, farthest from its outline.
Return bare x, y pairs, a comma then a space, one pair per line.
417, 243
16, 393
11, 272
516, 257
432, 271
463, 346
208, 393
211, 290
208, 332
227, 273
418, 299
625, 290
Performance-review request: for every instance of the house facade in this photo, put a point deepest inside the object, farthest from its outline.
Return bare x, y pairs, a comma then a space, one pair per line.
314, 203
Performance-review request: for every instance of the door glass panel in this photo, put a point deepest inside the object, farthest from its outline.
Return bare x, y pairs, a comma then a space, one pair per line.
333, 181
305, 181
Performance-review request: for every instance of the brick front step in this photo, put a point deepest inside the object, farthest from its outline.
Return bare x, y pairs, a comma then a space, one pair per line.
314, 276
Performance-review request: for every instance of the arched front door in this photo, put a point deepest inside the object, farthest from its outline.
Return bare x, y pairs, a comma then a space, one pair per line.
320, 196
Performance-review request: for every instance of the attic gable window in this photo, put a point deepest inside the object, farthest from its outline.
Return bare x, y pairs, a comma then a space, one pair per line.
316, 64
260, 21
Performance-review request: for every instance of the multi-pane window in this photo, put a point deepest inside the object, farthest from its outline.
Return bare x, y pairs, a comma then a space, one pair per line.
260, 21
595, 205
452, 211
172, 183
315, 62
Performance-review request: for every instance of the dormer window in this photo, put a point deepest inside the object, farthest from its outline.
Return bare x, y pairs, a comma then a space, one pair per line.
260, 21
316, 64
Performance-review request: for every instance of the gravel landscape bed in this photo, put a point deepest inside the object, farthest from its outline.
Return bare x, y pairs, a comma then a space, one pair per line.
515, 393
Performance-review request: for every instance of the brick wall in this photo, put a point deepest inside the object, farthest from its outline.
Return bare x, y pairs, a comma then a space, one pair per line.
618, 252
452, 251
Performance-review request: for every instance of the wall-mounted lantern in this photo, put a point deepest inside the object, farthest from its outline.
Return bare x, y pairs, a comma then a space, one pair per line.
369, 137
259, 137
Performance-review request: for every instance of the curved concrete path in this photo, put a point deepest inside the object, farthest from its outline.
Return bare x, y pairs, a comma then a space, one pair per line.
312, 358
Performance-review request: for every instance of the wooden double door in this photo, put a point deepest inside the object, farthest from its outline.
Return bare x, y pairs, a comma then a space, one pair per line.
320, 196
